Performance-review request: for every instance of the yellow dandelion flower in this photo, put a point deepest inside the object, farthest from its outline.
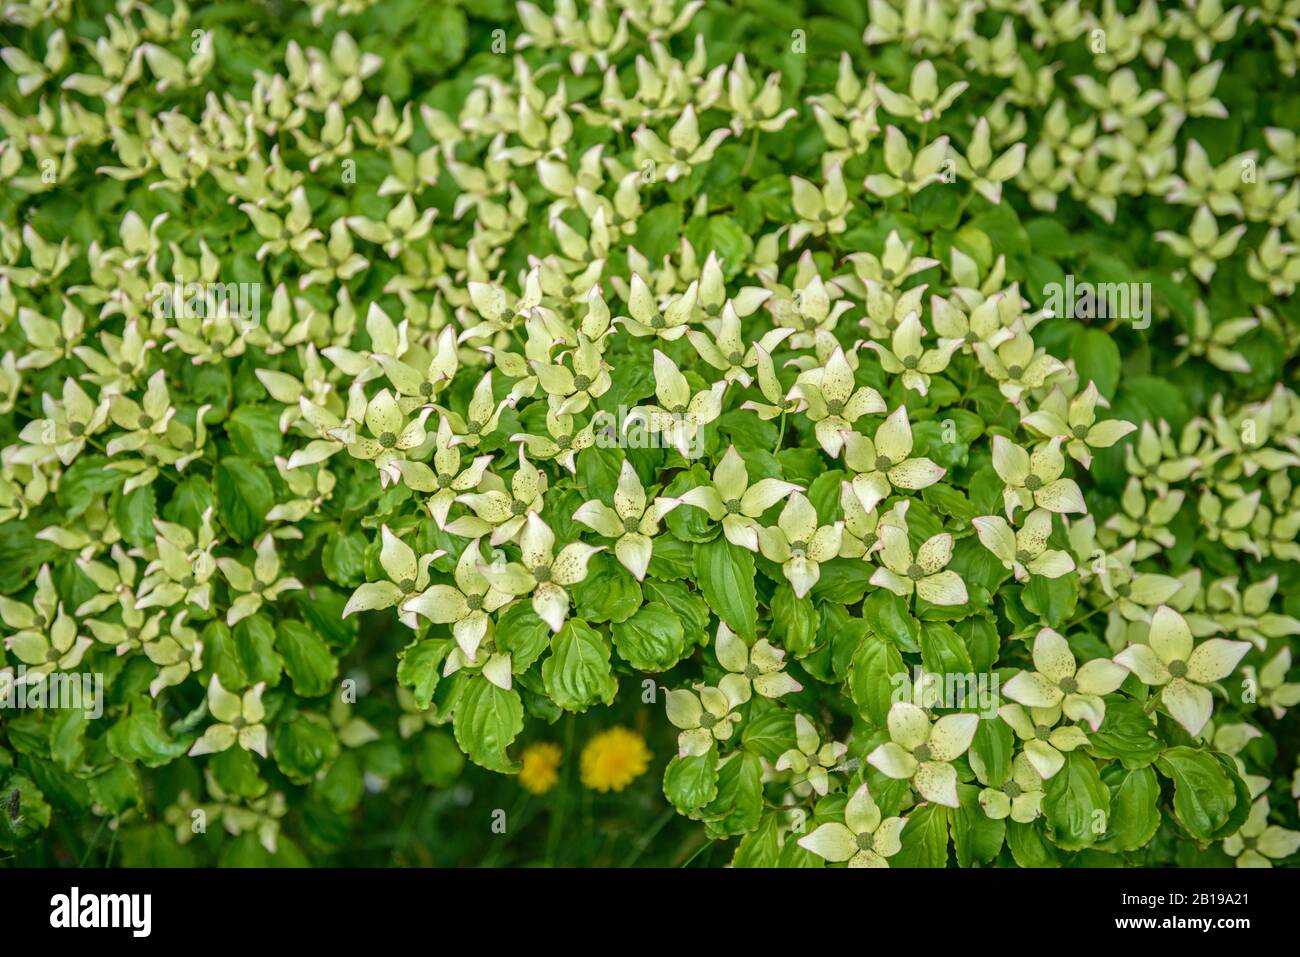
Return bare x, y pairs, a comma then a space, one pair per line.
541, 767
614, 759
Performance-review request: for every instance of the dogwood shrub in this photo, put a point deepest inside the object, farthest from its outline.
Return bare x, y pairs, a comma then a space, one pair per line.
885, 409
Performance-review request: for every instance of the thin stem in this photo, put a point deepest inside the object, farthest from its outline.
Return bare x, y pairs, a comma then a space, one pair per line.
749, 158
650, 835
558, 815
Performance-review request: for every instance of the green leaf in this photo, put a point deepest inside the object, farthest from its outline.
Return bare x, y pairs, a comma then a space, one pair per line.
1029, 848
254, 431
608, 593
134, 515
344, 557
487, 719
738, 805
1135, 811
244, 496
140, 736
577, 673
976, 837
255, 644
925, 838
1053, 599
886, 615
1204, 796
795, 622
761, 847
877, 677
303, 747
1127, 733
651, 640
692, 782
1097, 358
307, 659
770, 734
725, 574
85, 480
523, 635
419, 666
1076, 803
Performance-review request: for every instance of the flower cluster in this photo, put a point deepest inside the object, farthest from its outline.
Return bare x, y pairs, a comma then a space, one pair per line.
347, 432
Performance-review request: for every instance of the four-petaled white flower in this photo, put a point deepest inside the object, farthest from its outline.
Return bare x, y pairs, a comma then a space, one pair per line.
922, 752
799, 544
1058, 680
1172, 662
632, 520
736, 504
926, 574
758, 668
1024, 551
864, 839
882, 465
543, 574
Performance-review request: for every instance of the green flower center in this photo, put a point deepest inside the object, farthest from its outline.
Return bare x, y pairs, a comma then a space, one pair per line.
712, 309
824, 216
407, 584
921, 752
1042, 732
708, 720
146, 421
566, 291
542, 573
474, 602
680, 153
124, 368
52, 655
388, 440
187, 581
581, 382
835, 406
751, 672
445, 479
1023, 557
426, 389
915, 572
76, 428
630, 525
1123, 589
657, 322
1178, 669
910, 362
870, 539
564, 441
1068, 685
797, 549
732, 505
884, 463
1015, 372
1080, 431
518, 508
864, 841
971, 338
473, 426
735, 358
1033, 483
1012, 790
